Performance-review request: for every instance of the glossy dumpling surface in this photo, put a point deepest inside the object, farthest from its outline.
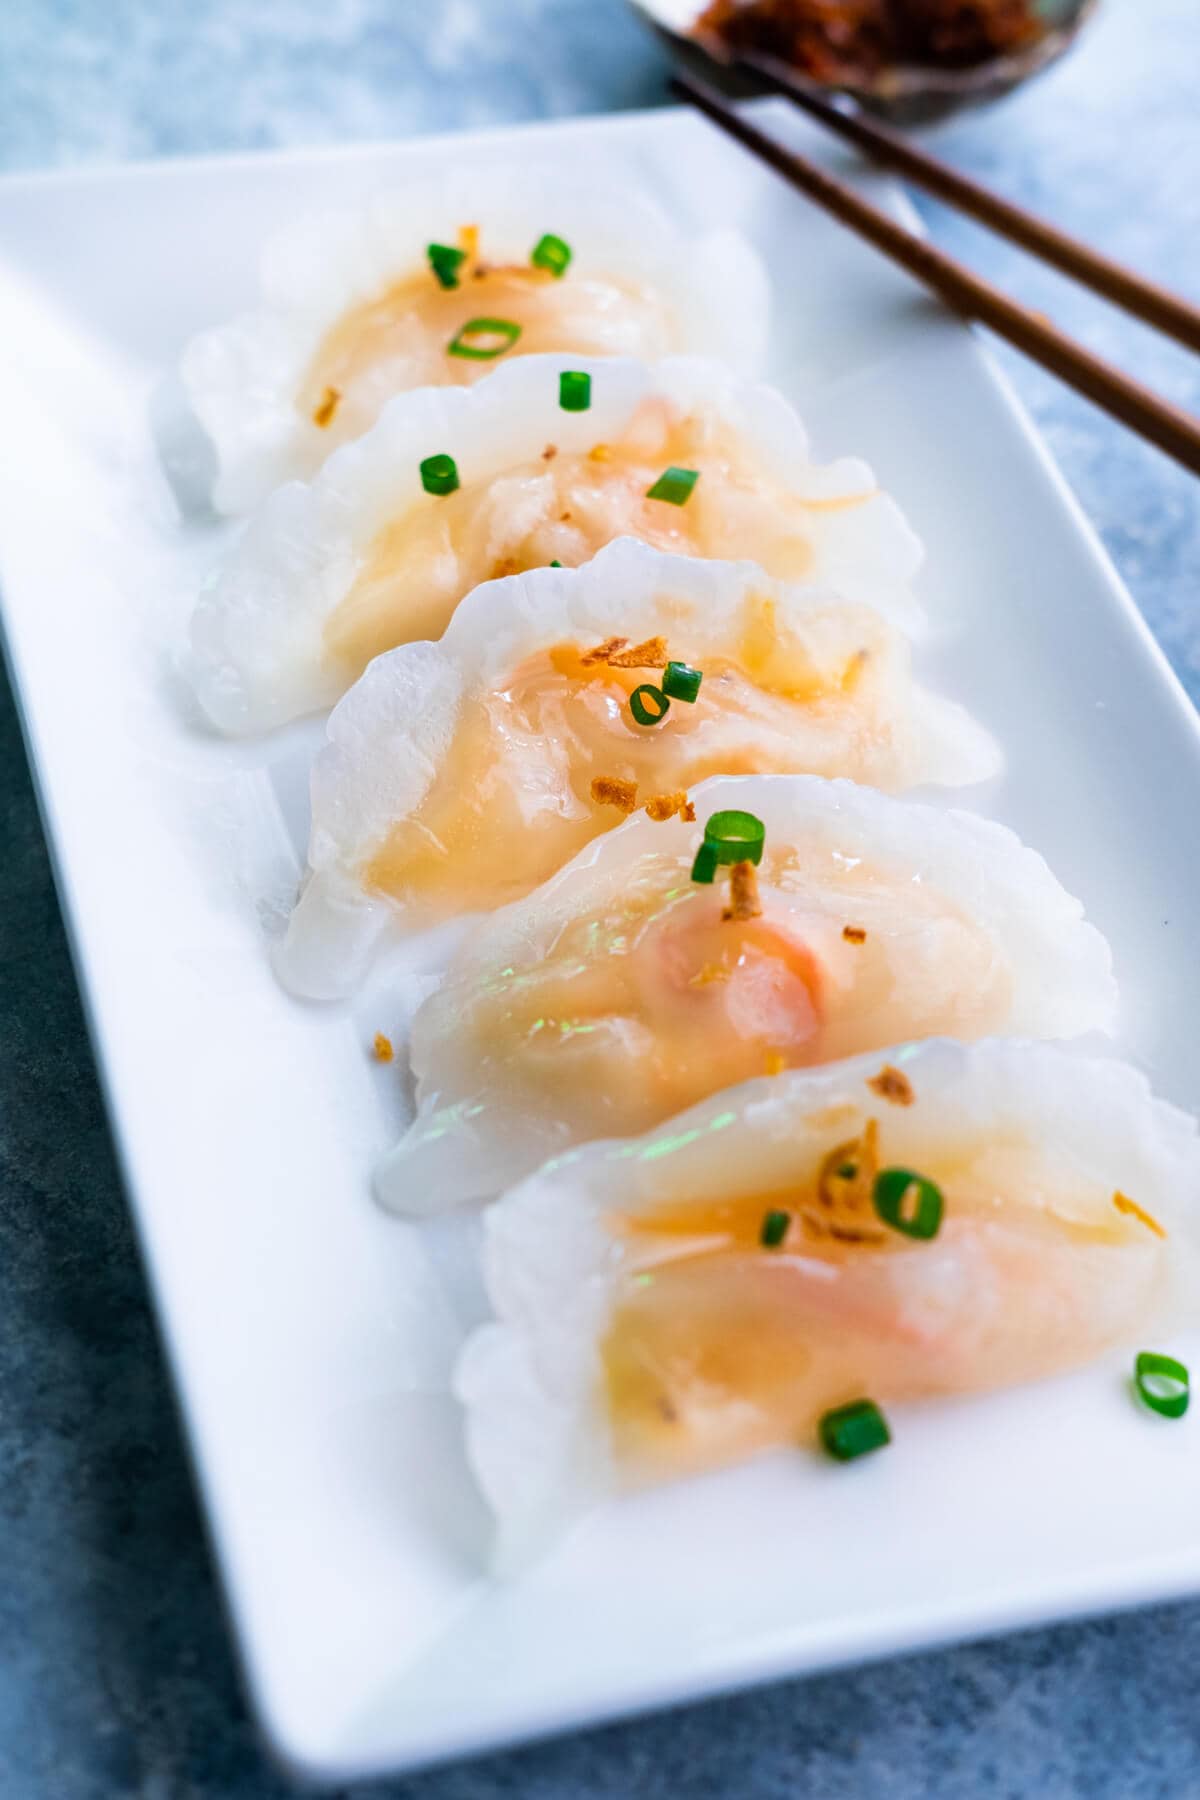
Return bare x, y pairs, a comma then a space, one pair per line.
459, 775
351, 310
620, 992
644, 1330
330, 575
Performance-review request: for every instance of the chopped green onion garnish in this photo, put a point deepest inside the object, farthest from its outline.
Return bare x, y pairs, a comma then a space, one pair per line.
735, 837
482, 339
674, 485
439, 474
556, 564
445, 262
774, 1228
682, 682
552, 253
1163, 1383
648, 704
575, 390
705, 866
854, 1430
908, 1203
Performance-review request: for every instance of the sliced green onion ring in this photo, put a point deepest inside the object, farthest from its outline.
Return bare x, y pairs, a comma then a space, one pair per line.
735, 836
705, 866
681, 682
648, 704
574, 390
439, 475
553, 253
1163, 1383
853, 1430
674, 486
477, 339
445, 261
908, 1202
774, 1228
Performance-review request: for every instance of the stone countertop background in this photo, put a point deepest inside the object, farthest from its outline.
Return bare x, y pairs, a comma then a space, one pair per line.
116, 1674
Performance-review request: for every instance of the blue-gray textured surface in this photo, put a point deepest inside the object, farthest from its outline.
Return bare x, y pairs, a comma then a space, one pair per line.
116, 1676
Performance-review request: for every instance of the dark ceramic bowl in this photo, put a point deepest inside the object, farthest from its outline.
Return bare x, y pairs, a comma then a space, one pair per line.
908, 94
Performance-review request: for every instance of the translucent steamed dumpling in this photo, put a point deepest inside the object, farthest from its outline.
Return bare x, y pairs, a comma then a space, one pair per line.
367, 557
623, 990
365, 302
644, 1329
459, 775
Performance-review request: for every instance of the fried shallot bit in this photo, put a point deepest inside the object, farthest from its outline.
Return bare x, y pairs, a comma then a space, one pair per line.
383, 1048
600, 653
848, 1173
600, 453
845, 1185
664, 806
744, 902
615, 651
330, 401
1124, 1204
610, 790
652, 654
855, 1234
854, 934
892, 1084
468, 241
549, 453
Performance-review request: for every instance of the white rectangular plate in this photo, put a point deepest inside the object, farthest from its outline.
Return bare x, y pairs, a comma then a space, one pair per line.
308, 1333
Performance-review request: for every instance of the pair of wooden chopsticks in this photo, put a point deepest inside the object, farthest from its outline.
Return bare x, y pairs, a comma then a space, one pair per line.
1168, 426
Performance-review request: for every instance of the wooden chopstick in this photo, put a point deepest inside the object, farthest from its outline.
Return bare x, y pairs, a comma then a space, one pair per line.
1158, 306
1167, 426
